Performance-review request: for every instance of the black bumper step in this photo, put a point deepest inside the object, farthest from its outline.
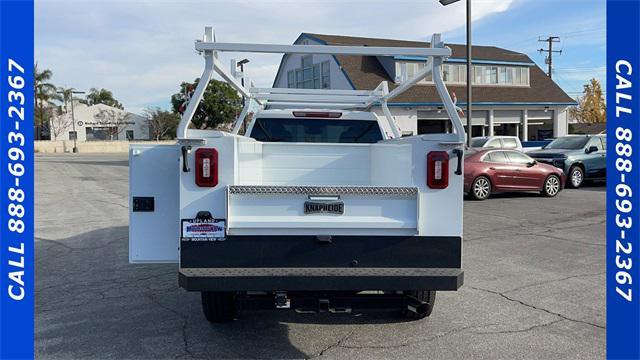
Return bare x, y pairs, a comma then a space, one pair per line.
320, 279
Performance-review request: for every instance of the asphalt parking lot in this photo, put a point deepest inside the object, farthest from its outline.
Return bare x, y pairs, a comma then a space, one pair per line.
534, 285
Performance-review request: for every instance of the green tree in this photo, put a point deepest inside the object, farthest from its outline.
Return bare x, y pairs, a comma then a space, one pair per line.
45, 95
592, 107
102, 96
220, 104
162, 124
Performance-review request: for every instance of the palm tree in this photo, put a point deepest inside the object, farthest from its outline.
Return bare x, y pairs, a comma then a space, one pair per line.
44, 95
102, 96
65, 93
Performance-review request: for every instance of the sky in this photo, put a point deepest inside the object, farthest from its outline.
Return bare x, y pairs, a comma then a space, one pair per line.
143, 50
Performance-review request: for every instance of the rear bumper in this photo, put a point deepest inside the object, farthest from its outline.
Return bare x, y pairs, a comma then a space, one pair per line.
319, 279
303, 263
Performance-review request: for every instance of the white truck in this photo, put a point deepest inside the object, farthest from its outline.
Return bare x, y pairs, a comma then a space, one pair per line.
497, 142
320, 206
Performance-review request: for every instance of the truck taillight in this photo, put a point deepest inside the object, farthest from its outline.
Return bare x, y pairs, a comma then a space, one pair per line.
438, 169
206, 167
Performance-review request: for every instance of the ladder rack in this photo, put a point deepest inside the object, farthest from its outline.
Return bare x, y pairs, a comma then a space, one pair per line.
347, 99
319, 98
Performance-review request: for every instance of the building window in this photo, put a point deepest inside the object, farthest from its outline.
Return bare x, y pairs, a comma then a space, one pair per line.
407, 70
101, 133
326, 84
525, 76
291, 79
129, 134
73, 135
454, 74
310, 75
457, 74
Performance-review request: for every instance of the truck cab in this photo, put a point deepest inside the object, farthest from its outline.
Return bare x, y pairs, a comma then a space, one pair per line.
318, 207
316, 126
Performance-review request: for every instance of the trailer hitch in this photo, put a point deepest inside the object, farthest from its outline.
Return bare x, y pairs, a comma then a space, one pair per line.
282, 301
416, 306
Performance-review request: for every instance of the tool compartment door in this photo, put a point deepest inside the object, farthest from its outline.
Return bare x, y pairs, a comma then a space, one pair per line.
154, 225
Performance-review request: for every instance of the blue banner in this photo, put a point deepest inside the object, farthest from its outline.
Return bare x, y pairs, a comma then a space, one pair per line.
623, 180
16, 179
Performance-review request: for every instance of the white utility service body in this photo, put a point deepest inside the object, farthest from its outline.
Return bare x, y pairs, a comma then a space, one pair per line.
242, 216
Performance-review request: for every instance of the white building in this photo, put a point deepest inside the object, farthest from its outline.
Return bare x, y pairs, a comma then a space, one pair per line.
98, 122
511, 94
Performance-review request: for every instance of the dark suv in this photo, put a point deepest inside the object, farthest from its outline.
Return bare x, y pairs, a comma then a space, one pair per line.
581, 157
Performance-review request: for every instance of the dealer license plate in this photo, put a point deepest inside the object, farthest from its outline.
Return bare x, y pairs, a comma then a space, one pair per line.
203, 230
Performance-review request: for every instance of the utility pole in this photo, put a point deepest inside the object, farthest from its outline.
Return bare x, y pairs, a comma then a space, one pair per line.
549, 58
469, 77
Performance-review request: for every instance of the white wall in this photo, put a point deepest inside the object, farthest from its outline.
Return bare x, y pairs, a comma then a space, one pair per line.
85, 116
560, 126
66, 146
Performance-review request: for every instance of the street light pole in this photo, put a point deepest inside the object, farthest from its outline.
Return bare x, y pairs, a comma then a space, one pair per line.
244, 100
469, 76
240, 64
469, 67
73, 118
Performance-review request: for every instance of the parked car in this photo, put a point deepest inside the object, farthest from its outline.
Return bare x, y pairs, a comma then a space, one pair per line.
528, 146
580, 157
497, 142
499, 170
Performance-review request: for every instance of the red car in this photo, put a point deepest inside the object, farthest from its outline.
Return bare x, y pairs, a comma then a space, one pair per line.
498, 170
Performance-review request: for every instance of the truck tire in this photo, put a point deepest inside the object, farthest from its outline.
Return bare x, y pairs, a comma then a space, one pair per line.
427, 296
219, 306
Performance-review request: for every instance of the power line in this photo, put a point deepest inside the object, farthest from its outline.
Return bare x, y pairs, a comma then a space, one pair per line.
549, 58
582, 32
581, 68
593, 71
560, 79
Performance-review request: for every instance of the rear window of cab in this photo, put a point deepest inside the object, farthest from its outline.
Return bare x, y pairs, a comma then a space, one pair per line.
316, 130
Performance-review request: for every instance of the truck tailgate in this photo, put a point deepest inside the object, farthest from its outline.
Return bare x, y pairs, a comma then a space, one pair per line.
336, 210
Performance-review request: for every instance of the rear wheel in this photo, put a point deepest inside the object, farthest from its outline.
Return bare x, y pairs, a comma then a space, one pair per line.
427, 297
551, 186
480, 188
576, 176
219, 306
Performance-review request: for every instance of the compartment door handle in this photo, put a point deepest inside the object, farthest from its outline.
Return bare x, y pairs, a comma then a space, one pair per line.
460, 154
185, 162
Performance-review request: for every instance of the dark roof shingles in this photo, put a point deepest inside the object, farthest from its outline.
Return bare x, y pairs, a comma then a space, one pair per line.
366, 72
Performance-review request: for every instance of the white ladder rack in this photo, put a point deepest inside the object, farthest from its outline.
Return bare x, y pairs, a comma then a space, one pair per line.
319, 98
